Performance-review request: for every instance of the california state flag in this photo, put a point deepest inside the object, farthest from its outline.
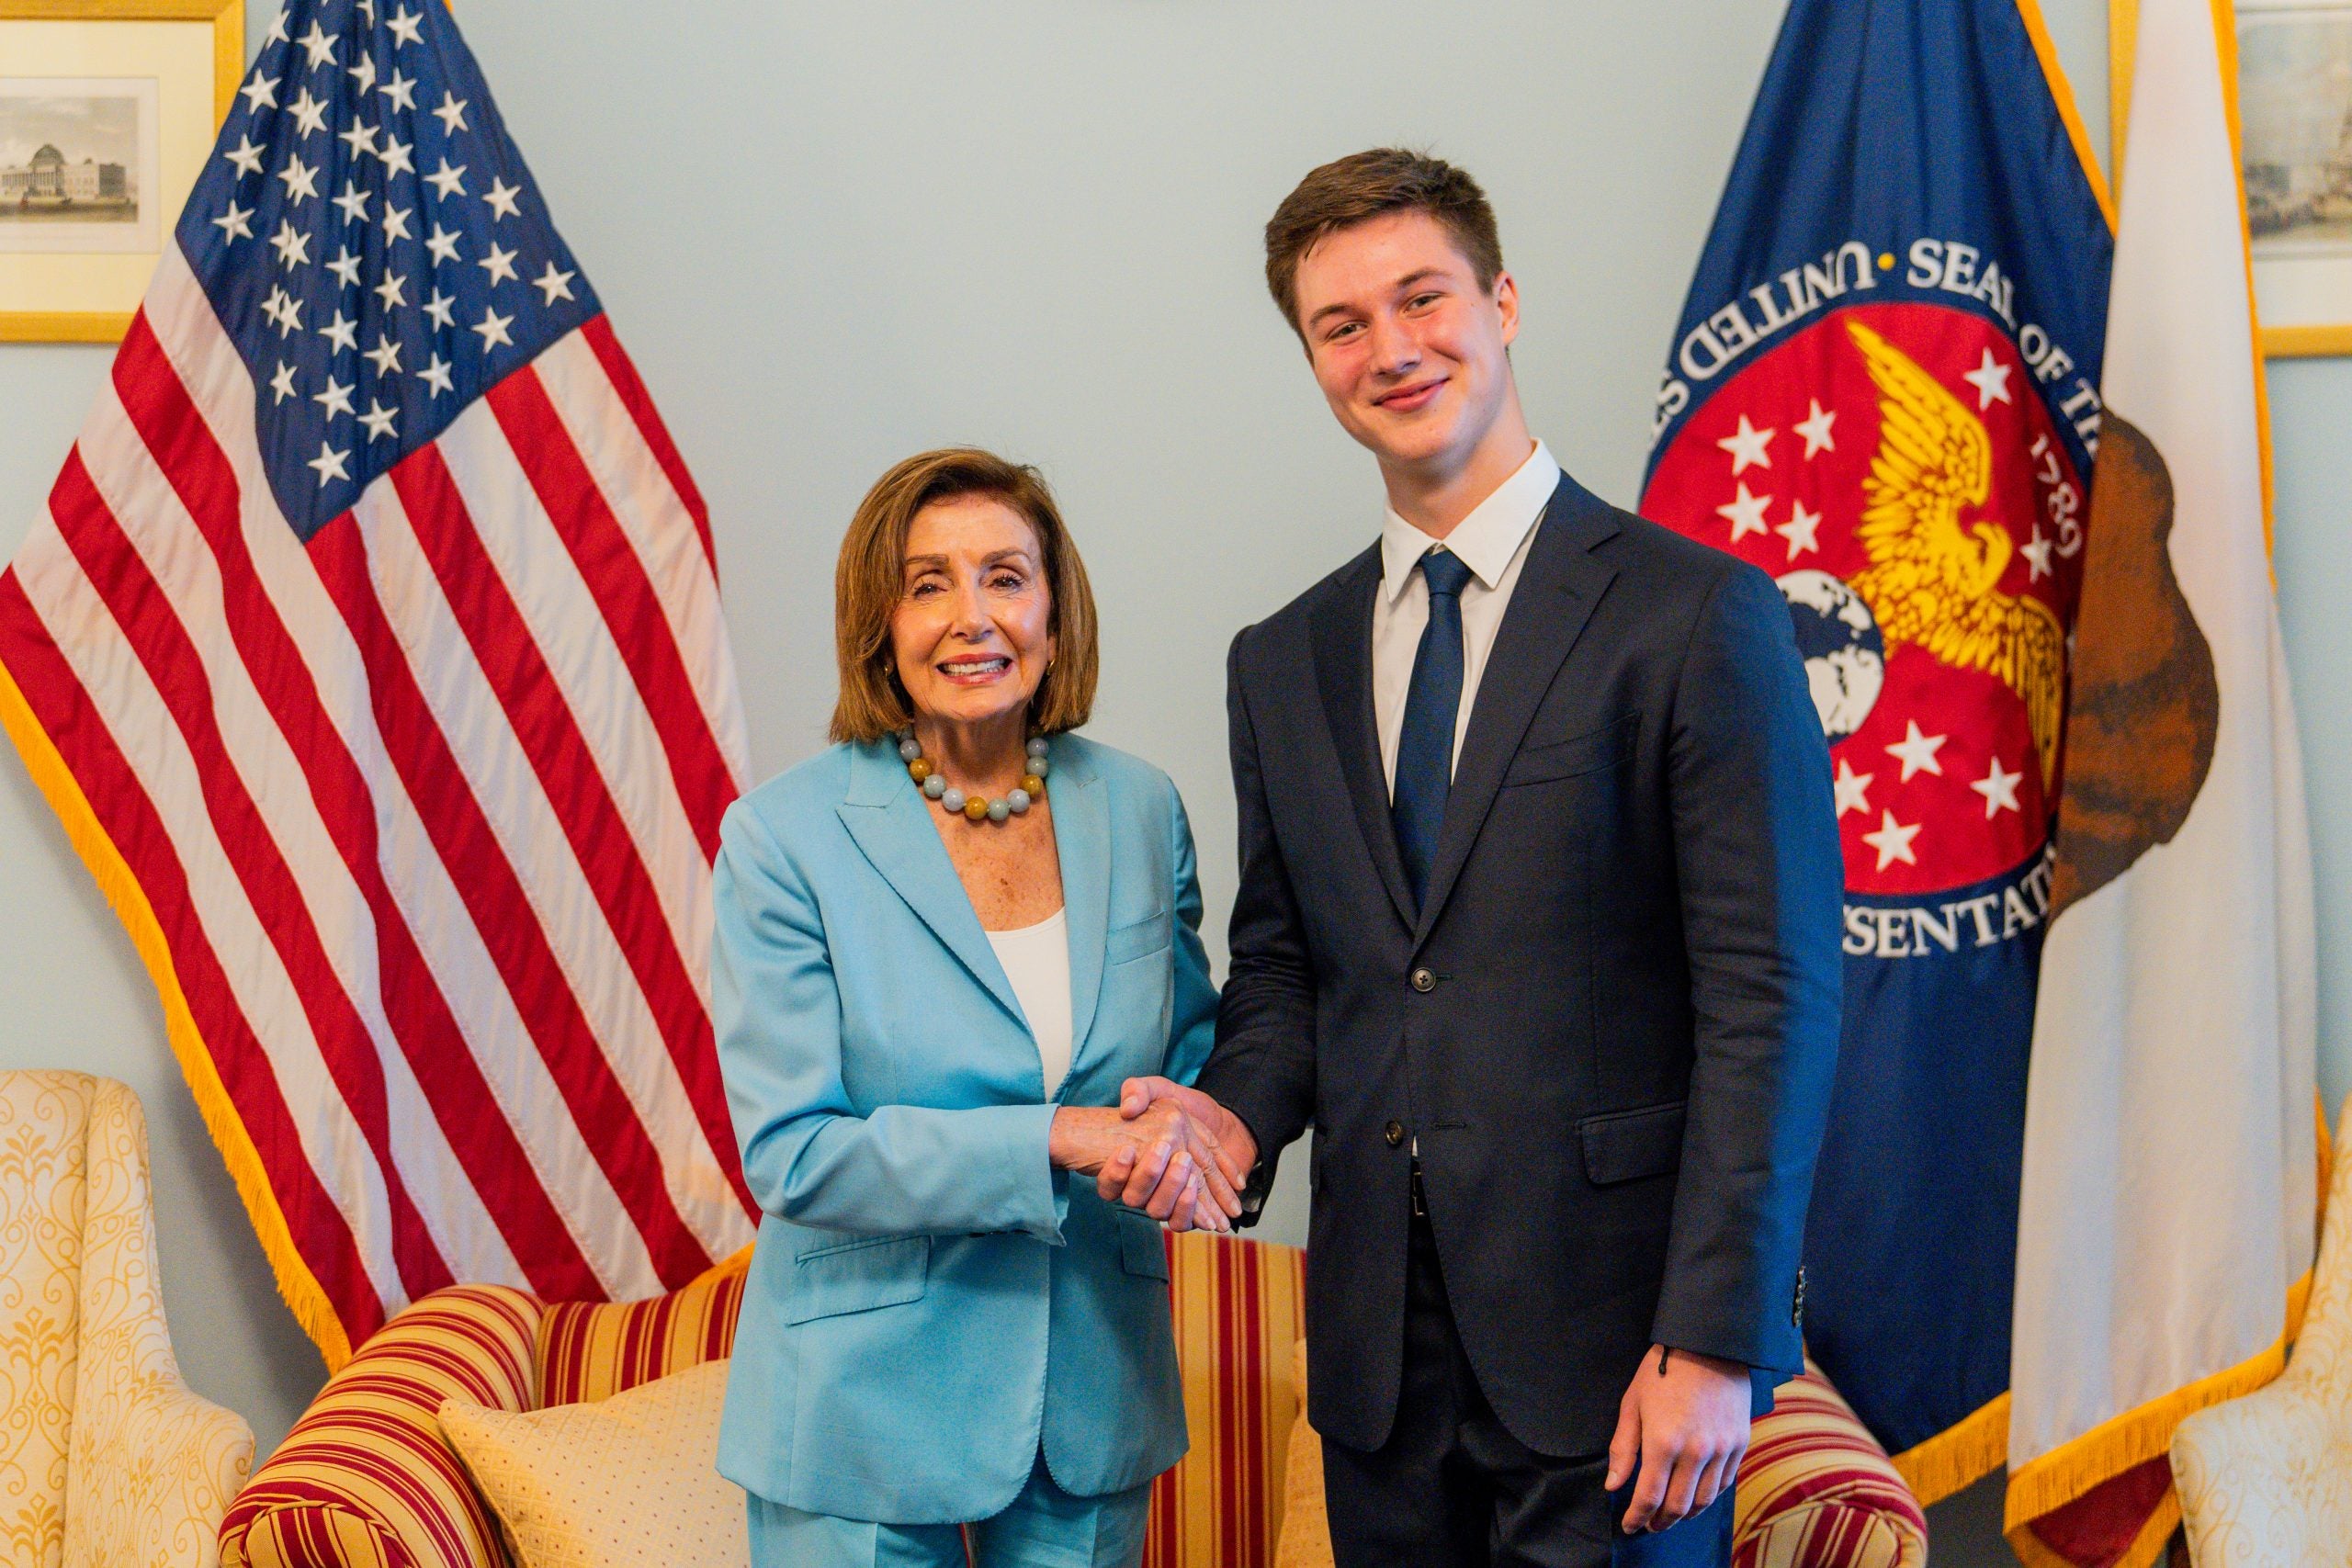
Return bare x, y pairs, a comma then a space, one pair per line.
2165, 1228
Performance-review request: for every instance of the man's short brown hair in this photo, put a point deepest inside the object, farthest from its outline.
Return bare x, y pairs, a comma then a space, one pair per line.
871, 576
1364, 186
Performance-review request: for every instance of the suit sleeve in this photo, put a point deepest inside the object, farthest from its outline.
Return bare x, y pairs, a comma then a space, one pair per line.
1762, 881
1192, 1029
808, 1155
1263, 1067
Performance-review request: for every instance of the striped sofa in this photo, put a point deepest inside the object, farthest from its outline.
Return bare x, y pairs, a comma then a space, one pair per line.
365, 1481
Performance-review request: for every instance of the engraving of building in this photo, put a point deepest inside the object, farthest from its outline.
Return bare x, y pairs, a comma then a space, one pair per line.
47, 176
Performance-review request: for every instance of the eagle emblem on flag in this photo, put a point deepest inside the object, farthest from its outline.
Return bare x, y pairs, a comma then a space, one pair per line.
1924, 525
1932, 581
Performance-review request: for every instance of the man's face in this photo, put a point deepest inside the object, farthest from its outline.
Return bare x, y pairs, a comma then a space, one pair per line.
1407, 348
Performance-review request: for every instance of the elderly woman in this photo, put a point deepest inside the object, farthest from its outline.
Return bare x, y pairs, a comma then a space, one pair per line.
942, 946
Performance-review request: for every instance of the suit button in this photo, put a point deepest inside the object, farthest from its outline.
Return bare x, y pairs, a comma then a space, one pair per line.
1423, 981
1393, 1132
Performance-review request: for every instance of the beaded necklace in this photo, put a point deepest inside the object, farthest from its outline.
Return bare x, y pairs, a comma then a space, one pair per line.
934, 785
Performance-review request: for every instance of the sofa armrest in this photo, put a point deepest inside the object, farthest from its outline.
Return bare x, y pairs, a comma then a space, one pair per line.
2265, 1479
1818, 1488
365, 1478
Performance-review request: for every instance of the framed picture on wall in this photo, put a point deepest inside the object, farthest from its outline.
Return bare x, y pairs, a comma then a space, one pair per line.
108, 111
2295, 107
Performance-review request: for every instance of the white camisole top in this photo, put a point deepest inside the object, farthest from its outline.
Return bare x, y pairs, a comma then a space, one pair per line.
1036, 960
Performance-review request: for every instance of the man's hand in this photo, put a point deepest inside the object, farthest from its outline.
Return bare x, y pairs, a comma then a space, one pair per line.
1686, 1429
1229, 1142
1188, 1186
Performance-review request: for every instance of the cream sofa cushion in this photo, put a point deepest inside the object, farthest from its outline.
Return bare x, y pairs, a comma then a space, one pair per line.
623, 1481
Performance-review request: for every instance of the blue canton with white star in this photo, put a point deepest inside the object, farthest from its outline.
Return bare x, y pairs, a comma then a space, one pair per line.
371, 240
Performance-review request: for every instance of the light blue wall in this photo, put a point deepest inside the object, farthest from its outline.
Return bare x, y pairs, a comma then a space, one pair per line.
833, 235
2311, 425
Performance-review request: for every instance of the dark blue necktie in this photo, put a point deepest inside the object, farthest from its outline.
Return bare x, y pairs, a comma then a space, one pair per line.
1432, 703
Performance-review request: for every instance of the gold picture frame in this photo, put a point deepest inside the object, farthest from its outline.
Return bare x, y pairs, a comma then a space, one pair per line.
2288, 96
157, 76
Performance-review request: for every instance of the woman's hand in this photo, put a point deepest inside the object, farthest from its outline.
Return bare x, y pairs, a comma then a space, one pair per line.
1231, 1145
1188, 1187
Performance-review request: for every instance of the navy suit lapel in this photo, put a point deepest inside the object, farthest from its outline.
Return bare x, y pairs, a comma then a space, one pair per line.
891, 823
1558, 588
1082, 839
1343, 632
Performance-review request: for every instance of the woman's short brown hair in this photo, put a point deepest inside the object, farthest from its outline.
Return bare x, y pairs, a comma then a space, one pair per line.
1364, 185
871, 575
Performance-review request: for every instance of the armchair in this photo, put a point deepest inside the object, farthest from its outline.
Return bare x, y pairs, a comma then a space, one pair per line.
2265, 1480
108, 1458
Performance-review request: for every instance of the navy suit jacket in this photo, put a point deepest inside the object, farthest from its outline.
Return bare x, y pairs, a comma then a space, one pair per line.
1611, 1027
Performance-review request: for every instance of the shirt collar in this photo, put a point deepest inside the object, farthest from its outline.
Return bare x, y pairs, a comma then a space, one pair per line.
1486, 539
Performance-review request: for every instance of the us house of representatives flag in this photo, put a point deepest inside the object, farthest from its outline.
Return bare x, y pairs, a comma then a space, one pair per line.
1884, 390
370, 649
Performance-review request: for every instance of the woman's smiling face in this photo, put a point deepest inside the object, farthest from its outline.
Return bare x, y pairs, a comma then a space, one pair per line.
973, 630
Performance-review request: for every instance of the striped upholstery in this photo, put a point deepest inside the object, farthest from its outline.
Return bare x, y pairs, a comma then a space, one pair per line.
365, 1481
1818, 1491
590, 1351
1239, 1308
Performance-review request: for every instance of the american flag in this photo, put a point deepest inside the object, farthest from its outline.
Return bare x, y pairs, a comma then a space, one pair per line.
370, 650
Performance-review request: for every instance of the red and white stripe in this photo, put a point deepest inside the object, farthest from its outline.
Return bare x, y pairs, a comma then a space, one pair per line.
425, 808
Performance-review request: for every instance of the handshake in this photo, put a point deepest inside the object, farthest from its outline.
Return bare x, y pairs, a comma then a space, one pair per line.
1169, 1151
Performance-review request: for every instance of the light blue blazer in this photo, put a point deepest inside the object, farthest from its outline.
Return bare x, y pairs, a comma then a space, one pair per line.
931, 1301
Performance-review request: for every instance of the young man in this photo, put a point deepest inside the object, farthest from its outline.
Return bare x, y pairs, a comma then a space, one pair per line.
1537, 929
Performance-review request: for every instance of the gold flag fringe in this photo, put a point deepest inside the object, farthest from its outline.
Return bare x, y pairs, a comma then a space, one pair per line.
295, 1284
1960, 1455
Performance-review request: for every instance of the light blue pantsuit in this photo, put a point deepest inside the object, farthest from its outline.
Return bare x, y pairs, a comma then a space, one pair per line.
937, 1323
1043, 1528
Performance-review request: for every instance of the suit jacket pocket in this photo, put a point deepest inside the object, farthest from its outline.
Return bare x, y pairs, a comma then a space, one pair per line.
1142, 1251
1626, 1146
1138, 938
858, 1275
1585, 753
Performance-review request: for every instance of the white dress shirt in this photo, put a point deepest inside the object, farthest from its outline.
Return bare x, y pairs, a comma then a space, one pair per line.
1036, 960
1492, 542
